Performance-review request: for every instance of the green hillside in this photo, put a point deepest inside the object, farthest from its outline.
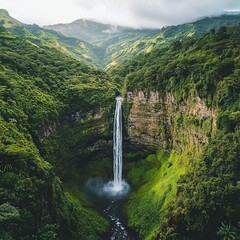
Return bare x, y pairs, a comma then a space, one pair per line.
70, 46
104, 45
181, 129
120, 43
6, 20
195, 192
39, 87
110, 38
119, 51
46, 38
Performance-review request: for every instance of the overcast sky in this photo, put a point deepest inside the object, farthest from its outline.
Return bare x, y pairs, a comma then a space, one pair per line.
136, 13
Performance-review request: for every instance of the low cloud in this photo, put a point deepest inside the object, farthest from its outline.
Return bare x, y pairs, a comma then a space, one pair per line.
169, 12
135, 13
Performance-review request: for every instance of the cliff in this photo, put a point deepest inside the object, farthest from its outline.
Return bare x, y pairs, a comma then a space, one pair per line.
160, 121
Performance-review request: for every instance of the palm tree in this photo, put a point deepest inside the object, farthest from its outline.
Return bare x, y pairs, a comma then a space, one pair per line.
228, 232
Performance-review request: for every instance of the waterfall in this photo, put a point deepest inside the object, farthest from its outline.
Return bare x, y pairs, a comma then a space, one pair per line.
117, 188
108, 195
117, 145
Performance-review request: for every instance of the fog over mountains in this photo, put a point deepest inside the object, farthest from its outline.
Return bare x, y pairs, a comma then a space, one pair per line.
105, 45
134, 13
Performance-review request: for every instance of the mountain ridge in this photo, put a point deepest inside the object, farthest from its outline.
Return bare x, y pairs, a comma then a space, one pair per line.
106, 45
70, 46
7, 19
85, 29
129, 42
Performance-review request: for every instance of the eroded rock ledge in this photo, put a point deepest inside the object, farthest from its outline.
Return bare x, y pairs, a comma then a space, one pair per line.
162, 121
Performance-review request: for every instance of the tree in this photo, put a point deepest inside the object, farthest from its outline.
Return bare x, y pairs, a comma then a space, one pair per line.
228, 232
8, 212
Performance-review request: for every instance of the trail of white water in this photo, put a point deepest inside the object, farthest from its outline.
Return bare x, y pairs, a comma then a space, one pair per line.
113, 192
117, 146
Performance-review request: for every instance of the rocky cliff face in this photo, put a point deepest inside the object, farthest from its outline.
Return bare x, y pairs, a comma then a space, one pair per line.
163, 122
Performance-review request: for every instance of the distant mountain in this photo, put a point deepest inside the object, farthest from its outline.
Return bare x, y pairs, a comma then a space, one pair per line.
91, 31
110, 38
119, 43
87, 30
105, 45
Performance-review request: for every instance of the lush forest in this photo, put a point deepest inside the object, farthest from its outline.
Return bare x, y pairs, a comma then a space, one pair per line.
206, 202
39, 86
56, 116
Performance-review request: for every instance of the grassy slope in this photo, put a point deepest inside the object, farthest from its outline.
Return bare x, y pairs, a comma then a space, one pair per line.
149, 205
121, 51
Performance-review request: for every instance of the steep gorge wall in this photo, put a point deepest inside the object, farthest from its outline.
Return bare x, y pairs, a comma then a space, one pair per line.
155, 122
163, 122
76, 140
177, 131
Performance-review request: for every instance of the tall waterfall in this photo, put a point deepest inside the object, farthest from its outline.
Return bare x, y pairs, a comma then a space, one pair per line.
117, 188
117, 145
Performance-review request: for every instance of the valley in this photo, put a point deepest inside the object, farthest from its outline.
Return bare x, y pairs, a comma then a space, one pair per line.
180, 88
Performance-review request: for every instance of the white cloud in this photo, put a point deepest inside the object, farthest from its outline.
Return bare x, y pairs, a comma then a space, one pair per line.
148, 13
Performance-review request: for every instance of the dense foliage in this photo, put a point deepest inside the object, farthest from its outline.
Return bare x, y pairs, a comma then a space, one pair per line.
206, 202
190, 67
208, 195
55, 111
38, 87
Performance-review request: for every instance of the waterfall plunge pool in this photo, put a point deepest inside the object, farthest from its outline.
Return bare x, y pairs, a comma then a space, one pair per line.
109, 202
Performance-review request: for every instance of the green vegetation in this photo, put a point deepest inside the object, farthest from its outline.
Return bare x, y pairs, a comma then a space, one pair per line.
195, 191
39, 87
155, 179
208, 195
207, 67
149, 205
184, 196
70, 46
117, 44
56, 117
